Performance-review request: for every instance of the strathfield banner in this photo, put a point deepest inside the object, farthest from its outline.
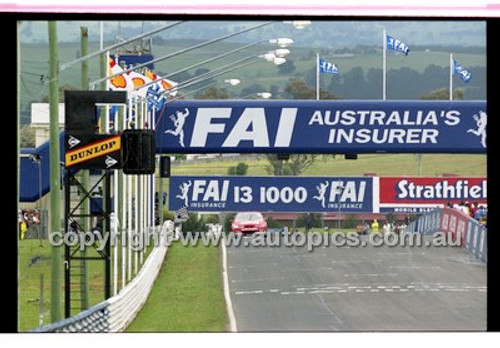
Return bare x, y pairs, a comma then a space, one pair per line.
283, 194
324, 126
420, 194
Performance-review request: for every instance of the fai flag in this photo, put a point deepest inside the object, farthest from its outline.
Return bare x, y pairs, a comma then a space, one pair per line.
465, 74
327, 67
396, 45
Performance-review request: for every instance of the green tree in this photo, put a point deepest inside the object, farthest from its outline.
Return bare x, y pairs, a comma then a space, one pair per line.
287, 68
294, 166
213, 93
299, 89
444, 94
27, 135
240, 169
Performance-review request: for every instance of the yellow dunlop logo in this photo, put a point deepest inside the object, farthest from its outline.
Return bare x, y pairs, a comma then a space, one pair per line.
93, 150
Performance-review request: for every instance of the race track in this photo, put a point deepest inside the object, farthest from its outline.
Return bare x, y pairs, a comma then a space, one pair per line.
290, 289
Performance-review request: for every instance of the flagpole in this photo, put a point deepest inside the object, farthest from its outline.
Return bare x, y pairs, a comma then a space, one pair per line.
384, 63
451, 76
317, 76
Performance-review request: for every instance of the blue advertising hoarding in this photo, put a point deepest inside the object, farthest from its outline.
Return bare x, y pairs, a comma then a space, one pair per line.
324, 126
284, 194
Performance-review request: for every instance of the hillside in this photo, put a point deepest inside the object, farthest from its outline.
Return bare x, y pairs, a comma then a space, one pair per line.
408, 77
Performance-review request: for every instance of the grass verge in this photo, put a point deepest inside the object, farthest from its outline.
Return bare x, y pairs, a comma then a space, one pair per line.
187, 295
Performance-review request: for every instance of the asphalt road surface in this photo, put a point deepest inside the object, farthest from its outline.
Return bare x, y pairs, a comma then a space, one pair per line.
291, 289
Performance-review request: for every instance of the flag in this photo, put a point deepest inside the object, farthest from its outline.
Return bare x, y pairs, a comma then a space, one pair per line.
156, 99
327, 67
163, 84
396, 45
465, 74
120, 82
137, 81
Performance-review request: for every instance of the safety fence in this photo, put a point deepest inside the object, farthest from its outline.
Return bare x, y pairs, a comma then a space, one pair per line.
117, 312
473, 236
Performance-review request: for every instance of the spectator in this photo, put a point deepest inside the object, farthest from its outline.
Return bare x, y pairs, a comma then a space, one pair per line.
73, 226
473, 209
465, 208
98, 227
359, 228
308, 222
402, 227
396, 227
20, 219
483, 221
479, 213
386, 228
468, 209
374, 226
366, 227
36, 223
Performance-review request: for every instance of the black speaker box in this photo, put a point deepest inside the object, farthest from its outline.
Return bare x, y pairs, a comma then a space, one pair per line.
138, 151
165, 166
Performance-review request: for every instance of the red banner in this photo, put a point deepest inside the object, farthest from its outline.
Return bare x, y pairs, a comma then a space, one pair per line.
455, 222
427, 190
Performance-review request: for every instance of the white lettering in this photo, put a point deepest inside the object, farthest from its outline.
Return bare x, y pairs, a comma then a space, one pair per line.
255, 119
285, 127
203, 124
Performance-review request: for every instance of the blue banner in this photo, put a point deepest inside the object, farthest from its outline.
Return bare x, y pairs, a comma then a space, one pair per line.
277, 194
326, 126
396, 45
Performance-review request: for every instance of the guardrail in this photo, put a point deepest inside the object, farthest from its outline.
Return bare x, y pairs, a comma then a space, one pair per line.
473, 236
117, 312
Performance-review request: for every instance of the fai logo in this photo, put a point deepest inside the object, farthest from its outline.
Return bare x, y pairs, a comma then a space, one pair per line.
179, 119
184, 187
321, 192
481, 121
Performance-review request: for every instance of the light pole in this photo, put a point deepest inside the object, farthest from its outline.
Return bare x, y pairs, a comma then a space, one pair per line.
173, 54
223, 70
37, 158
280, 53
263, 95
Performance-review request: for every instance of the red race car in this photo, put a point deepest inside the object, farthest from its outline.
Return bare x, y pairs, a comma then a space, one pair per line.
249, 222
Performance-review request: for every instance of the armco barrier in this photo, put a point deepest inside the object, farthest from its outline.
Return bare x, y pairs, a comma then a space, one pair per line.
473, 235
117, 312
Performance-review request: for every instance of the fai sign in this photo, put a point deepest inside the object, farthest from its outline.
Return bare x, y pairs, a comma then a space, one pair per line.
285, 194
304, 126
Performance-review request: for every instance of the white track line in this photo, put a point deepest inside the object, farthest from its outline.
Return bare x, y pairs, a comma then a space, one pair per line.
229, 305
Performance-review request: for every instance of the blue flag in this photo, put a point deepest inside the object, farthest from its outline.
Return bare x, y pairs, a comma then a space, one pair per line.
465, 74
396, 45
156, 99
327, 67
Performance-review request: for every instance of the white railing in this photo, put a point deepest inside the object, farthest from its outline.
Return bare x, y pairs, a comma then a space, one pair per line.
117, 312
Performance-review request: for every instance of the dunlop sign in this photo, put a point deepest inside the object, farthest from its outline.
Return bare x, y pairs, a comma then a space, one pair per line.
93, 151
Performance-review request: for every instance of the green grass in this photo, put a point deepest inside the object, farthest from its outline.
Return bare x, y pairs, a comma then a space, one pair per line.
34, 260
187, 295
29, 283
381, 164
